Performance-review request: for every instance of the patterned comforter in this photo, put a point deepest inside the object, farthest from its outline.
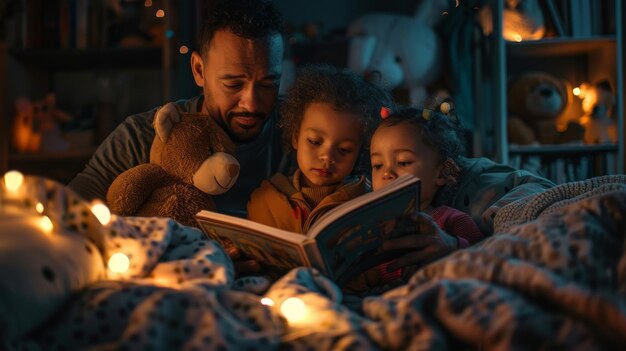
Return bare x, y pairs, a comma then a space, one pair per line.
552, 277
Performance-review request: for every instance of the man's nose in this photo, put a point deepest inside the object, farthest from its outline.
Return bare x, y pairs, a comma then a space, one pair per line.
249, 99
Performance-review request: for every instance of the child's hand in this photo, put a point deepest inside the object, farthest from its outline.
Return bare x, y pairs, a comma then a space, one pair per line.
427, 245
164, 120
243, 266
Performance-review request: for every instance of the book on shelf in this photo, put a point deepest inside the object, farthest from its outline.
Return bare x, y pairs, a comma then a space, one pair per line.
342, 243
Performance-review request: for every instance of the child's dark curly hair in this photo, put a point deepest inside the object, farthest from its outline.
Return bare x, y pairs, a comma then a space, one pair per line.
250, 19
340, 88
443, 132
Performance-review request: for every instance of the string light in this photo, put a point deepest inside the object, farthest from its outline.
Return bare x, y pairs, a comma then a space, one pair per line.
46, 224
267, 301
102, 212
39, 208
13, 180
183, 49
119, 263
147, 3
293, 309
160, 13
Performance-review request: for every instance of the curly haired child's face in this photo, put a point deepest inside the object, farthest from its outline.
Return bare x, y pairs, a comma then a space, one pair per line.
327, 144
398, 150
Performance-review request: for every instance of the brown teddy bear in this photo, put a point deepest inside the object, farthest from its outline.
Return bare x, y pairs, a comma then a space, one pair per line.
183, 174
536, 100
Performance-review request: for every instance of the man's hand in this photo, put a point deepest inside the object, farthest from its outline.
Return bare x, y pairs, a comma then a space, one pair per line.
427, 245
165, 119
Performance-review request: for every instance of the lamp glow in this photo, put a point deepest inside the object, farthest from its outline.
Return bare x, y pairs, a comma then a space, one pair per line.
39, 208
119, 263
46, 224
293, 309
267, 301
102, 212
160, 13
13, 180
517, 38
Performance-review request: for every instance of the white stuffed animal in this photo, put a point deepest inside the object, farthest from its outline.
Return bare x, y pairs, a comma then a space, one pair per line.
404, 50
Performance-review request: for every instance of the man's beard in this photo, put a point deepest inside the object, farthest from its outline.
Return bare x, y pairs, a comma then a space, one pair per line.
244, 135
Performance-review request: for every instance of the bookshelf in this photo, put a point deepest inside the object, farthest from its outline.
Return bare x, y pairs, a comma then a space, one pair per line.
100, 66
587, 52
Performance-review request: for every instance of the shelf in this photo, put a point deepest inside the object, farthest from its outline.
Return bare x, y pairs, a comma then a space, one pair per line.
90, 58
558, 46
65, 156
562, 150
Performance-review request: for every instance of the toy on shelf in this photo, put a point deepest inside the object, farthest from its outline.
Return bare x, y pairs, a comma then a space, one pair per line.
521, 20
537, 102
403, 51
597, 104
36, 126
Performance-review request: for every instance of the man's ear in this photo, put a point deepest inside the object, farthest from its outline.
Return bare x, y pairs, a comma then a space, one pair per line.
197, 68
294, 141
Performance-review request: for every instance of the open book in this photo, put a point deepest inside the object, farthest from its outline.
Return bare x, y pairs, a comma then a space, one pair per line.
341, 244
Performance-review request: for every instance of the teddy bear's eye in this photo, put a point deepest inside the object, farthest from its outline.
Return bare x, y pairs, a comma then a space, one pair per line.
398, 59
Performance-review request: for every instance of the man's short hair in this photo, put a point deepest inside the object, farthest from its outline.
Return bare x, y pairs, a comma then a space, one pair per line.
250, 19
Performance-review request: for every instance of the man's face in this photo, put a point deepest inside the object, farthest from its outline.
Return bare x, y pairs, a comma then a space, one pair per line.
240, 79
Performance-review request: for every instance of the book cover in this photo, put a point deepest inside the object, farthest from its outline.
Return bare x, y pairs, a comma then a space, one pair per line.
344, 241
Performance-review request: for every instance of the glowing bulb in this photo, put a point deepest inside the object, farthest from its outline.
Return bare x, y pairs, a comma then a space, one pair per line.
517, 38
576, 91
13, 180
147, 3
160, 13
183, 49
102, 212
267, 301
445, 107
119, 263
46, 224
293, 309
39, 208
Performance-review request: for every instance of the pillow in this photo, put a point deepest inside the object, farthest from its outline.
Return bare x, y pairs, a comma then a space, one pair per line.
43, 262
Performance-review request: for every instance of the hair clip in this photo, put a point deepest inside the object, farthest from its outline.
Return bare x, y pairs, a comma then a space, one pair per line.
385, 112
426, 114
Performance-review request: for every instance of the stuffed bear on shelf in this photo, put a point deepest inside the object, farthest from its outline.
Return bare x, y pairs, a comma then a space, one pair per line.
194, 163
536, 100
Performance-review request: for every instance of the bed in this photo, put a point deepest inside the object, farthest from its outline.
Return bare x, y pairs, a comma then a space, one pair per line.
552, 277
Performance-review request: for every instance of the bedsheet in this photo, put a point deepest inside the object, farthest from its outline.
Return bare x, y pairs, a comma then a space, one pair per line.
555, 280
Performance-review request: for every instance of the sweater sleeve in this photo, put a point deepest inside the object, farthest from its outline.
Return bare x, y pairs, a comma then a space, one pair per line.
127, 146
463, 227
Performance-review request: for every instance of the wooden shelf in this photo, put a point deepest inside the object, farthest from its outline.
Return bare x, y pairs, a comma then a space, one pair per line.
65, 156
562, 150
90, 58
555, 47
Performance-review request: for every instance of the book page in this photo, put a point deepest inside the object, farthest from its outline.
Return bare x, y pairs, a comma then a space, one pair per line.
280, 249
359, 227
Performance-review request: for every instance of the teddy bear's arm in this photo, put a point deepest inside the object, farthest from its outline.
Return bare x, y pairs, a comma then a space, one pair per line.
132, 188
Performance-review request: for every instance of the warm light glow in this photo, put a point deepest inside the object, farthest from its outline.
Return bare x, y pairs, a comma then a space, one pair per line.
119, 263
517, 38
13, 180
293, 309
39, 208
102, 212
46, 224
147, 3
160, 13
576, 91
267, 301
445, 107
183, 49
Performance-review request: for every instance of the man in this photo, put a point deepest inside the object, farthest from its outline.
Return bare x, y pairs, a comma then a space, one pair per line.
238, 65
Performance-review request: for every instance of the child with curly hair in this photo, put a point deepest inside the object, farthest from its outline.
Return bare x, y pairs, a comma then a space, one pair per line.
428, 145
327, 119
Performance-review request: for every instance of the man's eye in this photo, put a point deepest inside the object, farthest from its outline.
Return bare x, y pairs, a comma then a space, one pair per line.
233, 85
